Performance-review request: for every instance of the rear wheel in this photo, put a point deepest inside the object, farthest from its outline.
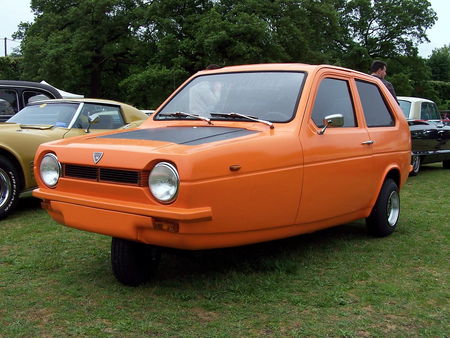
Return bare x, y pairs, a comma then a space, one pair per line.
446, 164
415, 161
9, 186
385, 214
133, 263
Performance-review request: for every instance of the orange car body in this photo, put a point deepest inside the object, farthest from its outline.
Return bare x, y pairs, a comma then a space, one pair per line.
263, 184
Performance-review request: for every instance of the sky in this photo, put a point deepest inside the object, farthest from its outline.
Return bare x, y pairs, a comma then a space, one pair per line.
12, 12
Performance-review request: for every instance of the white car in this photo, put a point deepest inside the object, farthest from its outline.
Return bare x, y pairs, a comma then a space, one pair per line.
416, 108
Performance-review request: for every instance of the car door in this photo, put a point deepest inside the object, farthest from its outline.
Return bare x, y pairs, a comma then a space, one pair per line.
383, 126
338, 176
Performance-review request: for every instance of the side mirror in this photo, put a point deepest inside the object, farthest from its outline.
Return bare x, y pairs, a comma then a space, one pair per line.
92, 119
333, 121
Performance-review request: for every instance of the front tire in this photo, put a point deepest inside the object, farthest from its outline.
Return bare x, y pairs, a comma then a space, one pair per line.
9, 186
133, 263
446, 164
415, 161
385, 214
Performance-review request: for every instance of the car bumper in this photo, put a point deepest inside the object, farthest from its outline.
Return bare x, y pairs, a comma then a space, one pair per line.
165, 226
157, 225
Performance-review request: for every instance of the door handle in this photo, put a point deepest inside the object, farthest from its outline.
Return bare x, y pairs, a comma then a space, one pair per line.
368, 142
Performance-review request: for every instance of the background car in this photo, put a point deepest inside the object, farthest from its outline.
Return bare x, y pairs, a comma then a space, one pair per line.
47, 121
429, 133
15, 95
416, 108
430, 143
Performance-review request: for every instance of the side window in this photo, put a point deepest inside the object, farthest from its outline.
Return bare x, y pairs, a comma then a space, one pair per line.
8, 102
333, 97
34, 95
110, 116
429, 111
376, 112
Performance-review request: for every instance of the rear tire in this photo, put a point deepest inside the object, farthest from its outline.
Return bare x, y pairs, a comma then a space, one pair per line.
415, 161
133, 263
446, 164
385, 214
9, 186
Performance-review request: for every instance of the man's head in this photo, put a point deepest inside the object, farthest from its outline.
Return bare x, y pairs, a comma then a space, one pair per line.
378, 68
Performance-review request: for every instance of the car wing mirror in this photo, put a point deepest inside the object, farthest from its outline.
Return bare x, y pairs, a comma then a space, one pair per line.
333, 121
92, 119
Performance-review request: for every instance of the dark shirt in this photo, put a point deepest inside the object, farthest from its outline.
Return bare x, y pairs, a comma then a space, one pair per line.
389, 86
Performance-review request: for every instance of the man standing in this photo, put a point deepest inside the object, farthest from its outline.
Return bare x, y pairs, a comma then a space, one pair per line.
378, 69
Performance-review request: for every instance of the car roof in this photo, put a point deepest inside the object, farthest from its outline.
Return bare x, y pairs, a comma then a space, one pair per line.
77, 100
413, 99
30, 85
278, 67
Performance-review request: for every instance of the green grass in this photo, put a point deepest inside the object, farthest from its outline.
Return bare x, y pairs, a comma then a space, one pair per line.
56, 281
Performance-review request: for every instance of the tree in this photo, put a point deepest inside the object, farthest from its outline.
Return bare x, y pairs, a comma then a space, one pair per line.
10, 68
140, 50
383, 28
439, 63
83, 45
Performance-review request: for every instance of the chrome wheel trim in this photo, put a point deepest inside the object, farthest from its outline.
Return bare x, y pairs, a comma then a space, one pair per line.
393, 208
5, 187
416, 163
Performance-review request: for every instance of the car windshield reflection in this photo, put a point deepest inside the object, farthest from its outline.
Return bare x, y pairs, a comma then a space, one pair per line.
270, 96
58, 115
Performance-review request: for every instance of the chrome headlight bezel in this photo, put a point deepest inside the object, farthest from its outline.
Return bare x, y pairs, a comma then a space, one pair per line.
50, 170
163, 182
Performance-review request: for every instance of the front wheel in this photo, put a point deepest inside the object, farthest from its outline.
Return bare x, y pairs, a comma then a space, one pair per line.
383, 219
446, 164
415, 161
9, 186
133, 263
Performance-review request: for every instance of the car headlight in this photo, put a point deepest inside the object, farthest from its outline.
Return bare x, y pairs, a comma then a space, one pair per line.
163, 182
50, 170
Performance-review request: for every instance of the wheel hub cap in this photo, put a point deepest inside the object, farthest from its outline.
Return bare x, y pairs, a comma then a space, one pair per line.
5, 187
393, 208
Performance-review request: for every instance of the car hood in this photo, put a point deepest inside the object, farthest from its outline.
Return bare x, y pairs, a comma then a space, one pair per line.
190, 147
172, 139
182, 135
45, 131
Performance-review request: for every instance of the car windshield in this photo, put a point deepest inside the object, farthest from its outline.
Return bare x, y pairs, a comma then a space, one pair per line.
270, 96
406, 106
55, 114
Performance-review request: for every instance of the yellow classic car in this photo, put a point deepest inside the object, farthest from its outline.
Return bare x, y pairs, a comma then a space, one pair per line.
46, 121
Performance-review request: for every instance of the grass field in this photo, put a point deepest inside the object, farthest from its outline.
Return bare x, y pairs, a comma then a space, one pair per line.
56, 281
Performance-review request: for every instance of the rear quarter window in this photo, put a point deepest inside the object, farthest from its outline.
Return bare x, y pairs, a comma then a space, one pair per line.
376, 112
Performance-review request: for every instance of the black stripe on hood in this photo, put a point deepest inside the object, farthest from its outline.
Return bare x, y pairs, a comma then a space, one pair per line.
183, 135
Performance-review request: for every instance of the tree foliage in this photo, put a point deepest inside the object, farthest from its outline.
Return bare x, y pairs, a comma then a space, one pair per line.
439, 63
10, 68
140, 50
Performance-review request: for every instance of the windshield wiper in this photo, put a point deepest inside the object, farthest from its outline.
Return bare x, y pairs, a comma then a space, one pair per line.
180, 113
248, 117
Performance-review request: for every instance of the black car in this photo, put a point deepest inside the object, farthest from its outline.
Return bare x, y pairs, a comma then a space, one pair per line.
14, 95
430, 143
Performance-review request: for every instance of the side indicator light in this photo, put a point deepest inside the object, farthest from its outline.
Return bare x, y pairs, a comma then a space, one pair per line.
164, 225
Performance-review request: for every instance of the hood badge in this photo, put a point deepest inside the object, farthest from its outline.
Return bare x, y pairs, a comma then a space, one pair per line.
97, 156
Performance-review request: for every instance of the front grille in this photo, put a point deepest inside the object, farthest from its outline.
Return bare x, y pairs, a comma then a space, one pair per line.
79, 171
122, 176
99, 174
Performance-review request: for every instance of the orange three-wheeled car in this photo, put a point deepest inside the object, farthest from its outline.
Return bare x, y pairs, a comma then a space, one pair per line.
235, 155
